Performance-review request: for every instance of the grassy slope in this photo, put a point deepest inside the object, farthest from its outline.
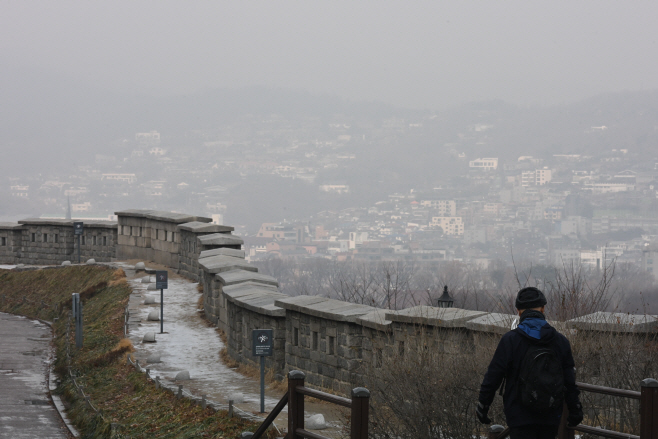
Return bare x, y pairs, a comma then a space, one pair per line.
123, 395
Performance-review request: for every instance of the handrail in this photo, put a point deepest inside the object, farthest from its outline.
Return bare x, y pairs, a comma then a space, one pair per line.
648, 413
633, 394
271, 417
294, 398
605, 433
325, 396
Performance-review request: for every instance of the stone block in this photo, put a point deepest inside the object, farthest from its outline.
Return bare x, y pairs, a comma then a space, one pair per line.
183, 375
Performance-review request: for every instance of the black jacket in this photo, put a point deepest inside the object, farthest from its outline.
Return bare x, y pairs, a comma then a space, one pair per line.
506, 363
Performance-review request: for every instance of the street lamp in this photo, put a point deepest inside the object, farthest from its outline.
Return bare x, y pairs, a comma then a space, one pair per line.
445, 301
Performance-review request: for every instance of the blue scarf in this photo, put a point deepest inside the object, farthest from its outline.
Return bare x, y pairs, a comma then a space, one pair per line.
531, 323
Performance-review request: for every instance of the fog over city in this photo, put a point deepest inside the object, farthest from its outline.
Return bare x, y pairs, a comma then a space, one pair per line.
502, 142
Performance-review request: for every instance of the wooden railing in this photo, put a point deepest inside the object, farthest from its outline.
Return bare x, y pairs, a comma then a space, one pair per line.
294, 399
648, 396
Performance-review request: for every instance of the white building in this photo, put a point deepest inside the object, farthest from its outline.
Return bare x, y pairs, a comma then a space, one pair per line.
444, 207
487, 164
451, 225
650, 262
538, 177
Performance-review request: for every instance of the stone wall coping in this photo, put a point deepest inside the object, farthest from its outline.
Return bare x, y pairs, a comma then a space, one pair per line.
10, 226
171, 217
233, 277
431, 316
221, 263
258, 300
235, 287
68, 223
220, 239
203, 227
494, 322
615, 322
325, 308
375, 320
222, 251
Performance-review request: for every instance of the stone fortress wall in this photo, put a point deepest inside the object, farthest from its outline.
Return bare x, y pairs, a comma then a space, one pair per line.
332, 341
50, 241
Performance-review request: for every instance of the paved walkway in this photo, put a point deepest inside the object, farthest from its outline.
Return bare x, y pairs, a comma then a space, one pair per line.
190, 343
25, 409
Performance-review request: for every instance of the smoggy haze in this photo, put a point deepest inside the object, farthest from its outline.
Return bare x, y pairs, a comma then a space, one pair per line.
415, 54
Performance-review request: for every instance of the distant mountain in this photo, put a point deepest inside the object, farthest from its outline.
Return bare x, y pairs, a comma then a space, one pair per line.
49, 121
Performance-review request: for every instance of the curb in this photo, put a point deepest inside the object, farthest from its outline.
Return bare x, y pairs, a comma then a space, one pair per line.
57, 401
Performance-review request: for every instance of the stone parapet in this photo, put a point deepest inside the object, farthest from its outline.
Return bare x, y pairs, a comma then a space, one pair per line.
615, 322
431, 316
220, 264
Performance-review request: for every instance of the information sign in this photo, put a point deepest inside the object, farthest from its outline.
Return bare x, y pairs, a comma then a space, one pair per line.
78, 227
161, 277
263, 342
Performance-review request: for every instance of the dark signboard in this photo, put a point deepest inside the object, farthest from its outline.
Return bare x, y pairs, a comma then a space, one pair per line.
78, 228
161, 278
262, 342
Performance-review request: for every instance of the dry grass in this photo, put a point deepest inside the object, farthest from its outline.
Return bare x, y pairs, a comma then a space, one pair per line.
123, 394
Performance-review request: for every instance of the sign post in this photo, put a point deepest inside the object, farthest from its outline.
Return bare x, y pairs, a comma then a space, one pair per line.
161, 280
77, 315
262, 342
78, 228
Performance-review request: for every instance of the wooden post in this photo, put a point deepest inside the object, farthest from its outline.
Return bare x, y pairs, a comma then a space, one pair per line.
649, 409
564, 432
295, 403
360, 410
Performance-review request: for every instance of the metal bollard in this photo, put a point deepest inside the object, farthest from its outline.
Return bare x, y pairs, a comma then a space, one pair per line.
230, 408
179, 395
157, 382
148, 373
128, 359
203, 402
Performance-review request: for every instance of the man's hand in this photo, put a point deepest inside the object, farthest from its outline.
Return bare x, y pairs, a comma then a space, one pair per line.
575, 415
481, 411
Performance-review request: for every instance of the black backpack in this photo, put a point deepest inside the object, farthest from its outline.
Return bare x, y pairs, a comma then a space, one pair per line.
541, 379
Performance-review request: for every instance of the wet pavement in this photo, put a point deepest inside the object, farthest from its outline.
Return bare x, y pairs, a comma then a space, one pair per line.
190, 343
26, 411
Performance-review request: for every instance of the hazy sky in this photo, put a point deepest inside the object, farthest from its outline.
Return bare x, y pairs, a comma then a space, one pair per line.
411, 53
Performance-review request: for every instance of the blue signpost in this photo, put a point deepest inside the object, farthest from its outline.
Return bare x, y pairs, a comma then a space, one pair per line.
78, 229
161, 281
262, 346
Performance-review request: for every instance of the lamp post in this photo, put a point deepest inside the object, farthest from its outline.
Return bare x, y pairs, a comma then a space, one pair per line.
445, 301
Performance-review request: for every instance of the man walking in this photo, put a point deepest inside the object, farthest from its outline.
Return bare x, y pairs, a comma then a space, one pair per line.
534, 368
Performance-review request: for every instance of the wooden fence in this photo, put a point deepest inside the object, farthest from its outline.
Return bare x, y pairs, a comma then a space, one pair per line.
648, 396
294, 399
